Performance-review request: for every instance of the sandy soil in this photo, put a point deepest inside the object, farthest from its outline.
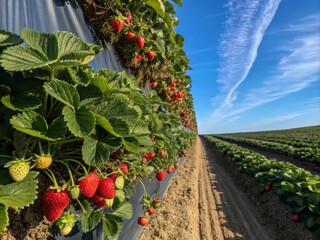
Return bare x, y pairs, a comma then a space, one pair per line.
210, 199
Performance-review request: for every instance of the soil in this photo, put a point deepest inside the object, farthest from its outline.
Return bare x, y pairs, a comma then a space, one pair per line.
211, 199
312, 167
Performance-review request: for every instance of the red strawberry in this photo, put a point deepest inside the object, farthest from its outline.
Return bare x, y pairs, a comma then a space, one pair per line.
89, 184
163, 154
140, 42
172, 84
117, 24
154, 84
150, 155
139, 58
170, 169
295, 217
161, 175
267, 188
178, 80
151, 210
150, 55
106, 188
99, 201
124, 167
54, 203
114, 176
130, 36
143, 220
128, 19
145, 160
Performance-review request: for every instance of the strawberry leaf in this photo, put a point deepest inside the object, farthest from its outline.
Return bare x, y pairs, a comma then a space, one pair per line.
111, 226
8, 39
63, 92
90, 219
4, 219
94, 152
21, 102
80, 122
20, 194
124, 211
179, 2
157, 6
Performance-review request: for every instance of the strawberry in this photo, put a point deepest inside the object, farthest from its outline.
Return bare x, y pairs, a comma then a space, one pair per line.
18, 169
130, 36
89, 184
145, 160
106, 188
153, 84
66, 222
128, 19
295, 217
150, 155
163, 154
267, 188
156, 203
116, 24
161, 175
176, 165
140, 42
150, 55
114, 176
151, 210
143, 220
172, 84
124, 167
54, 203
99, 201
138, 58
170, 169
43, 161
178, 80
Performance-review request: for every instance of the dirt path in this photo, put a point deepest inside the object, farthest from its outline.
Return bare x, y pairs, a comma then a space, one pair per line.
204, 203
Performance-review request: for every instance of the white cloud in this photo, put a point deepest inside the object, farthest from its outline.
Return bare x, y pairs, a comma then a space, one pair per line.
202, 51
277, 119
244, 29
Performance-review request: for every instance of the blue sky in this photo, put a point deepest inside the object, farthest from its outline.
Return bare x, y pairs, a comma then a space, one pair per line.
256, 63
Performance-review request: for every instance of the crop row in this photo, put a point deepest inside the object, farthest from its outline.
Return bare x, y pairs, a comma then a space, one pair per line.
311, 154
297, 187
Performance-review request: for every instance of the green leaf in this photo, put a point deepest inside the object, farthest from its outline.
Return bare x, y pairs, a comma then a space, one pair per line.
125, 211
79, 76
121, 195
64, 92
31, 123
19, 58
120, 127
156, 5
42, 42
20, 194
94, 152
119, 182
4, 219
179, 2
103, 122
132, 145
8, 39
90, 219
80, 123
57, 129
110, 227
21, 103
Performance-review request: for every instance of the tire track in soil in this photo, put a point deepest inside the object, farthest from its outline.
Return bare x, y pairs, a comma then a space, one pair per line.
238, 217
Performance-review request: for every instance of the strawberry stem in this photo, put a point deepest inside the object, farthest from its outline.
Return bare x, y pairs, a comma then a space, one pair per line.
50, 174
145, 193
69, 171
75, 161
81, 206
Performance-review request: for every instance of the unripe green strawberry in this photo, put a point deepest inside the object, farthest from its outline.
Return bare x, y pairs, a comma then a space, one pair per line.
18, 169
43, 161
66, 222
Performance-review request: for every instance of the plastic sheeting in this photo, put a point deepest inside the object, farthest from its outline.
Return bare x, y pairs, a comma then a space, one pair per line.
52, 15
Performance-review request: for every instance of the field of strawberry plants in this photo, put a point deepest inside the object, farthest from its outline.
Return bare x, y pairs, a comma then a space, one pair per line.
301, 143
77, 140
298, 188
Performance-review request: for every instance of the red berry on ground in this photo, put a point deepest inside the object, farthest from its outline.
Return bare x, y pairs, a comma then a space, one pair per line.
124, 167
150, 55
267, 188
139, 58
295, 217
151, 210
163, 154
143, 220
140, 42
130, 36
153, 84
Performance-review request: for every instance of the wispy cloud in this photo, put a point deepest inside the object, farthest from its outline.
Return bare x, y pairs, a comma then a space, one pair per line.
244, 29
202, 51
270, 121
203, 64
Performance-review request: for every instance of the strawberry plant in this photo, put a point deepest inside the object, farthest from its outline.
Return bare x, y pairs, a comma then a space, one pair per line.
59, 115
